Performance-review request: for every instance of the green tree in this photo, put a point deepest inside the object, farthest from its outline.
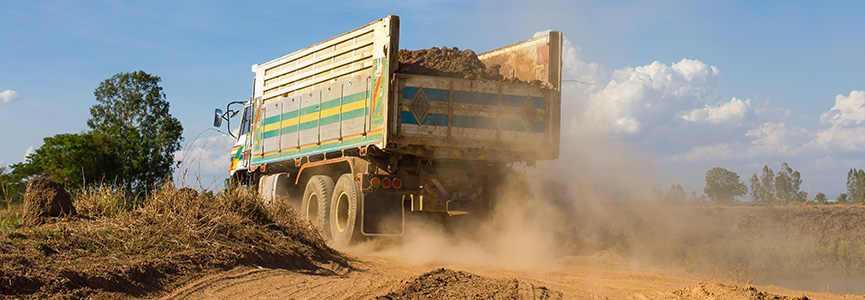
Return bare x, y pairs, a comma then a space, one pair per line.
131, 108
820, 198
11, 186
73, 159
756, 189
856, 186
841, 199
787, 184
723, 186
767, 185
675, 195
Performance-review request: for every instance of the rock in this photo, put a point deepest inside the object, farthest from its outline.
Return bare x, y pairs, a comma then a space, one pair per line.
45, 198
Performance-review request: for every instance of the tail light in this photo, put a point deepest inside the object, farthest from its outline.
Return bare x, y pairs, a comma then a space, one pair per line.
385, 182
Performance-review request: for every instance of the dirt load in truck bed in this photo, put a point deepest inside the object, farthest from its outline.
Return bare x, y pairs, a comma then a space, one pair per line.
448, 62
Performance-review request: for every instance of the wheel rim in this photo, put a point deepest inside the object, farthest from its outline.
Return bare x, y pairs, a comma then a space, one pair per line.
312, 208
341, 212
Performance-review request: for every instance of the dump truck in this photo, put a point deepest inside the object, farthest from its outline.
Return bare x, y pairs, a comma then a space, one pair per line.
355, 145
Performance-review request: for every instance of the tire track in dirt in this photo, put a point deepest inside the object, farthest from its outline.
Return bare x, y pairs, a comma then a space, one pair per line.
371, 278
599, 276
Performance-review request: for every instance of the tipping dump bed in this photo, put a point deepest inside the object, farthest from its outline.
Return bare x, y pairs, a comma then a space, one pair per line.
487, 120
344, 93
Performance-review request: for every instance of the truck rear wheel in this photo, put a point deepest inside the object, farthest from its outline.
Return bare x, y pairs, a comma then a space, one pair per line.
345, 207
315, 205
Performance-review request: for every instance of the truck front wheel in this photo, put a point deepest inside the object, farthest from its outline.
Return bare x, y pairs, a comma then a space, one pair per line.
315, 205
345, 207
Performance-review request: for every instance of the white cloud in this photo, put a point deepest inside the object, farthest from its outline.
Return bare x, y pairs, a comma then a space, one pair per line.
781, 136
9, 96
705, 153
576, 69
734, 110
845, 131
676, 111
204, 162
847, 111
777, 138
632, 99
27, 153
839, 138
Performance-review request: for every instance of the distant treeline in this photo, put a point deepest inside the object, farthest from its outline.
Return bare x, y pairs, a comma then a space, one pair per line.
769, 187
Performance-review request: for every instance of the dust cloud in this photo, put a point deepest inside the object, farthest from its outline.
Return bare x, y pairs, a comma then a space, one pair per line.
531, 227
517, 235
598, 198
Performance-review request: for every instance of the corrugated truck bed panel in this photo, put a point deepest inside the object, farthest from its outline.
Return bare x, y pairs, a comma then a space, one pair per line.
320, 65
339, 116
469, 119
326, 97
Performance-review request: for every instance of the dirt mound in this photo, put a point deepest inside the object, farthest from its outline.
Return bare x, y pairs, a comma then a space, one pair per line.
706, 291
45, 198
174, 237
447, 62
448, 284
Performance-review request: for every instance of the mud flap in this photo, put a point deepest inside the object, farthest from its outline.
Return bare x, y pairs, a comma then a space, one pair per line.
452, 196
383, 214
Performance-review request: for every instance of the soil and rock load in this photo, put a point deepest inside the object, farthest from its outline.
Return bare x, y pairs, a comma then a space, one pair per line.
448, 284
447, 62
45, 198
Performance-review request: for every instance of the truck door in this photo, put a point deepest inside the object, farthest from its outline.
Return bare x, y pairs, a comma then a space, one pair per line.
244, 138
240, 154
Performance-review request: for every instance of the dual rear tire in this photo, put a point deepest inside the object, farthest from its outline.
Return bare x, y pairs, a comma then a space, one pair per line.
345, 211
334, 208
315, 205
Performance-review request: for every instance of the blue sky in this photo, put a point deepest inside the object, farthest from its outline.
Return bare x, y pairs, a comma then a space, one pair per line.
682, 85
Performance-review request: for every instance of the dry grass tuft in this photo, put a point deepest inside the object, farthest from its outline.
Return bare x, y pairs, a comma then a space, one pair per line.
125, 246
742, 243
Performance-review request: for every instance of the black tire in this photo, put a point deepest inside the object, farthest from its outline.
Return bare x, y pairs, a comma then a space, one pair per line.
345, 208
315, 205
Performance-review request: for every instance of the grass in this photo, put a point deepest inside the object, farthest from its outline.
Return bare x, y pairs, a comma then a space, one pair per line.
124, 246
10, 217
744, 242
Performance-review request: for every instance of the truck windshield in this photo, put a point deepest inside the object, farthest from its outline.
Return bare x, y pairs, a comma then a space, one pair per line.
244, 123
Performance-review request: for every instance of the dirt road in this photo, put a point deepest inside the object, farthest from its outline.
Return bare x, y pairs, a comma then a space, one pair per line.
599, 276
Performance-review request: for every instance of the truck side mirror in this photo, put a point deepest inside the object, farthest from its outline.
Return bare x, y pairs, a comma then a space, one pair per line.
217, 118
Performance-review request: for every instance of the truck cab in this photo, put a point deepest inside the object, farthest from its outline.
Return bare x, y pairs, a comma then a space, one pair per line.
239, 154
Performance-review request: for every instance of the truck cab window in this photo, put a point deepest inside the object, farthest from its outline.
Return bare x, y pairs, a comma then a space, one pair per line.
244, 123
